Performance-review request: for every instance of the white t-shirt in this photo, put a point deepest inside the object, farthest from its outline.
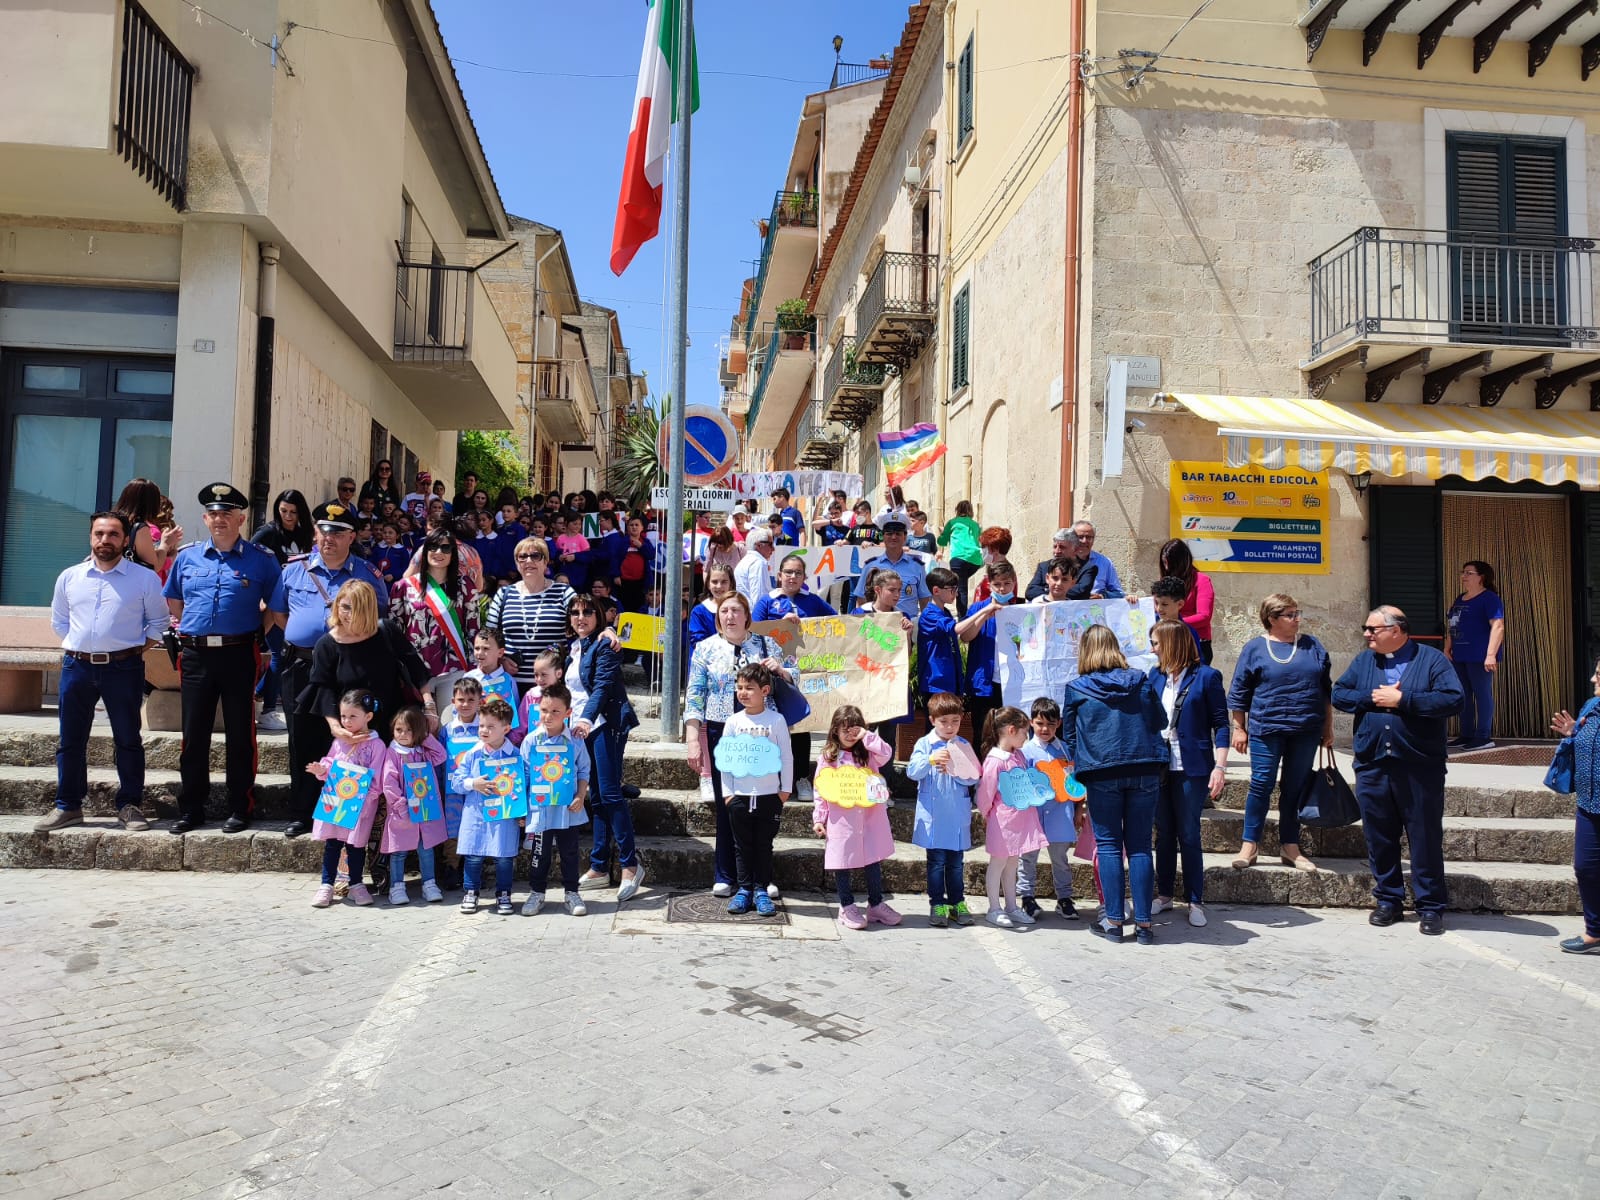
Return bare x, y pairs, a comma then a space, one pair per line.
1169, 701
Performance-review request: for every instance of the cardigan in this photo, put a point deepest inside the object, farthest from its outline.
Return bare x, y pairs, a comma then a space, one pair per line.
1430, 694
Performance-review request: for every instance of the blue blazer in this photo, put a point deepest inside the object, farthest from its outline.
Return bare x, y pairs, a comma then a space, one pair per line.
1202, 721
600, 673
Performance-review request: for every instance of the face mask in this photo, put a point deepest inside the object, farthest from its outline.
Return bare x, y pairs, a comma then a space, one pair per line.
1003, 597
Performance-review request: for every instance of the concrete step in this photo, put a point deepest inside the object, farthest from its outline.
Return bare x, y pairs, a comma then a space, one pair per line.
33, 790
1466, 839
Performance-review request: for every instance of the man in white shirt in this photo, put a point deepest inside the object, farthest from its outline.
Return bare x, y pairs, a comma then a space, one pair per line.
106, 610
752, 576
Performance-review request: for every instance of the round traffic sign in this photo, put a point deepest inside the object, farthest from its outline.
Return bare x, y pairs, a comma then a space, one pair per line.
711, 444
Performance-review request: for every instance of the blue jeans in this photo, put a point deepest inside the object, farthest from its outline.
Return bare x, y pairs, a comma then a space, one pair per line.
1183, 798
1296, 754
1586, 866
609, 812
472, 873
330, 861
945, 882
1123, 813
1477, 714
271, 687
121, 685
874, 874
397, 865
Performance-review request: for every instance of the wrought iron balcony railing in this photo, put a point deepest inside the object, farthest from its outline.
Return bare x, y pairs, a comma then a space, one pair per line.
897, 307
851, 389
433, 312
818, 444
1429, 286
789, 210
845, 74
153, 100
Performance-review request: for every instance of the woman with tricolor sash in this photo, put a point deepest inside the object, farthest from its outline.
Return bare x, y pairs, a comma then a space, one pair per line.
437, 608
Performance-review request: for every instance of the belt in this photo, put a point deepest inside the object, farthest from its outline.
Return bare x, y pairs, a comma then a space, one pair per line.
293, 654
211, 641
101, 657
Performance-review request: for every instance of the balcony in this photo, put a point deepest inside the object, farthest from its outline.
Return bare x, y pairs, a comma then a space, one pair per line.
1452, 306
737, 405
897, 309
787, 360
451, 353
851, 389
819, 443
788, 253
564, 400
77, 65
849, 74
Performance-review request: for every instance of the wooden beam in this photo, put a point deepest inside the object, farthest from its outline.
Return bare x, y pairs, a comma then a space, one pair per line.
1379, 379
1322, 376
1428, 40
1318, 29
1591, 57
1435, 383
1548, 390
1492, 387
1540, 45
1489, 36
1372, 35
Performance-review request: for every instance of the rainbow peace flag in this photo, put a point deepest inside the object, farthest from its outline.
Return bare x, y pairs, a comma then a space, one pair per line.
908, 451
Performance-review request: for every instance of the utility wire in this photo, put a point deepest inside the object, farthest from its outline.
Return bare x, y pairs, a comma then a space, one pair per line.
1194, 16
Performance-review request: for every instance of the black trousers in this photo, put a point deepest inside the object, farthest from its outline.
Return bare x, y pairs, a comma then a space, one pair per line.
208, 674
964, 572
309, 736
755, 827
572, 861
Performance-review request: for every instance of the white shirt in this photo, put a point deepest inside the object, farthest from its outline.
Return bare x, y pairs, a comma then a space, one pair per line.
752, 577
1169, 702
96, 612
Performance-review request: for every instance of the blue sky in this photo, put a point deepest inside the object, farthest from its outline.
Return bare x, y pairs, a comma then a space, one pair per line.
555, 138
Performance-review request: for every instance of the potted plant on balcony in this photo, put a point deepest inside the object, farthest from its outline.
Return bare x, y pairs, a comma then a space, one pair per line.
794, 322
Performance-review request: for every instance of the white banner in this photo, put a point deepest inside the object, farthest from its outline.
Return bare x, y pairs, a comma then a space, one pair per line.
697, 499
1036, 645
827, 564
800, 484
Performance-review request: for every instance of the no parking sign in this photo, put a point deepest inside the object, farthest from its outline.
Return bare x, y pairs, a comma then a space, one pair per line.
710, 444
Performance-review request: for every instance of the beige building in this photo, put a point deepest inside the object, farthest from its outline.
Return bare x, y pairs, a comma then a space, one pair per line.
230, 256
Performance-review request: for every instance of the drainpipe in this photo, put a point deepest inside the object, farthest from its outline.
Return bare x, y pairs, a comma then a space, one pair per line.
261, 441
946, 274
533, 379
1074, 288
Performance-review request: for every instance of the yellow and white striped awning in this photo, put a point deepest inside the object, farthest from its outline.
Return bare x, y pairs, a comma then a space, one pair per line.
1400, 439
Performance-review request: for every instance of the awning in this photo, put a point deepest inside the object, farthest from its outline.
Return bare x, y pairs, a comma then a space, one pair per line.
1547, 446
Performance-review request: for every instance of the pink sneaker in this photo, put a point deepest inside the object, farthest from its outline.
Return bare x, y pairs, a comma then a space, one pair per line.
883, 914
359, 894
851, 917
324, 896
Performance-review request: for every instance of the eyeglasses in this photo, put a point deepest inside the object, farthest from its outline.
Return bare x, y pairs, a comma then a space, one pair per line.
440, 549
1374, 630
1292, 614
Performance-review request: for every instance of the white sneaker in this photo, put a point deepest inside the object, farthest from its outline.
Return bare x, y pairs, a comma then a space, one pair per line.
773, 893
1197, 916
1020, 916
575, 905
431, 892
723, 890
533, 903
996, 916
707, 796
271, 721
803, 792
397, 894
1162, 904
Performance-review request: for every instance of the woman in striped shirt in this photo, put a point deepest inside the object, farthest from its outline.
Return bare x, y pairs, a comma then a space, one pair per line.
531, 614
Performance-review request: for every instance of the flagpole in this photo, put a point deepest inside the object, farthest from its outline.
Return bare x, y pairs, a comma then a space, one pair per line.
677, 338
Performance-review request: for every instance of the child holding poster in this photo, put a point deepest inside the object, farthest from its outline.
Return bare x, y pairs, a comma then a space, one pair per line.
945, 770
356, 758
757, 766
480, 837
1059, 819
1008, 832
489, 651
558, 780
549, 667
416, 809
858, 836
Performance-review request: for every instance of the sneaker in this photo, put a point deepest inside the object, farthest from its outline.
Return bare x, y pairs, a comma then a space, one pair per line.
431, 892
1577, 945
359, 896
882, 914
939, 918
590, 880
1162, 904
852, 917
1483, 745
803, 792
469, 902
575, 906
1020, 917
1105, 929
1454, 742
502, 904
764, 905
324, 896
996, 917
960, 914
740, 904
1030, 906
1197, 916
630, 887
1144, 935
773, 892
271, 721
59, 818
707, 796
132, 818
532, 904
722, 890
1066, 908
397, 894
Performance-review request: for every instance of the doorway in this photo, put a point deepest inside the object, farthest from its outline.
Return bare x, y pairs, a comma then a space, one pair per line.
73, 429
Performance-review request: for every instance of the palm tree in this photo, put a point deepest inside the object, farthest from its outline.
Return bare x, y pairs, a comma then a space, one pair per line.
636, 466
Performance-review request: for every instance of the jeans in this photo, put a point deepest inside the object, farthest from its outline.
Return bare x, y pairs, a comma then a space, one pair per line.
331, 850
608, 810
726, 865
946, 884
964, 571
270, 689
504, 872
121, 686
1060, 870
755, 827
1404, 797
1123, 812
397, 865
874, 874
1183, 798
1477, 714
1586, 866
1296, 753
564, 840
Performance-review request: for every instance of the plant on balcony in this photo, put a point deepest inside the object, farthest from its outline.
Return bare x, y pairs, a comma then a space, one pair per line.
860, 373
794, 322
636, 467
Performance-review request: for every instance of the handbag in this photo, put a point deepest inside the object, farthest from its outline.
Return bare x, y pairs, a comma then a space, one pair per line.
790, 702
1328, 802
1560, 777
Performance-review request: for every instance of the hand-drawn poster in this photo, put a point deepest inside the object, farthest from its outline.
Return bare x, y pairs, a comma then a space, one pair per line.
1036, 645
846, 660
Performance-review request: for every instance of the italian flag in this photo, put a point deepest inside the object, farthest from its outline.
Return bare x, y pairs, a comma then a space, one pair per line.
656, 104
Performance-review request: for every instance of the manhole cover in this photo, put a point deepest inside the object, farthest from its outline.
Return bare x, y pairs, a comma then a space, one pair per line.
1507, 756
706, 909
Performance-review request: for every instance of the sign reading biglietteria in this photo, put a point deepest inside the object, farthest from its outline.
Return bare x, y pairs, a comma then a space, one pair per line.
1256, 520
699, 499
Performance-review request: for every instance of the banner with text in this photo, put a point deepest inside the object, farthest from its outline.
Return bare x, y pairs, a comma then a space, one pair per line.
825, 565
800, 484
1252, 520
846, 660
1036, 645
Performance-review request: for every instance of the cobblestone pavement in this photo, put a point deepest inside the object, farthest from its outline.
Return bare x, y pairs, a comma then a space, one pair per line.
183, 1035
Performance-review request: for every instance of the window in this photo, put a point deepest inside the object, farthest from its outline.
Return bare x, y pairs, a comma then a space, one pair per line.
436, 298
964, 77
960, 335
377, 448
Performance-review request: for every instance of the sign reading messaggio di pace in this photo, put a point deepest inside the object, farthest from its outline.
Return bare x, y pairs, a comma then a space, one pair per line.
1253, 520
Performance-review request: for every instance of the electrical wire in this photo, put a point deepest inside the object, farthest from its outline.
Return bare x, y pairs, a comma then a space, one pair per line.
1194, 16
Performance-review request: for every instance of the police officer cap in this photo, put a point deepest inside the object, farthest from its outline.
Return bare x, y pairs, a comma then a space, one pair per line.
222, 497
334, 518
894, 525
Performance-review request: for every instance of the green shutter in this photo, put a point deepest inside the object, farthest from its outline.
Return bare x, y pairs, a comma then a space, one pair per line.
961, 327
1404, 557
964, 80
1588, 517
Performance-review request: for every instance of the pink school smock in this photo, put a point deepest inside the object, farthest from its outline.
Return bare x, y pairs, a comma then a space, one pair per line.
370, 754
1007, 832
400, 832
857, 837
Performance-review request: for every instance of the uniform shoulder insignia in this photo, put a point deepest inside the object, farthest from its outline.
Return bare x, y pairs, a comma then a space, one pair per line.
297, 558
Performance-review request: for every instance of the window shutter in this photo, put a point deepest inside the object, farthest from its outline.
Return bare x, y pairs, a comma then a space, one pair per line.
964, 83
1588, 517
1405, 556
960, 320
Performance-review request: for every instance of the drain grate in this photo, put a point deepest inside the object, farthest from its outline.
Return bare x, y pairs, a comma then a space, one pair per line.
1507, 756
701, 908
